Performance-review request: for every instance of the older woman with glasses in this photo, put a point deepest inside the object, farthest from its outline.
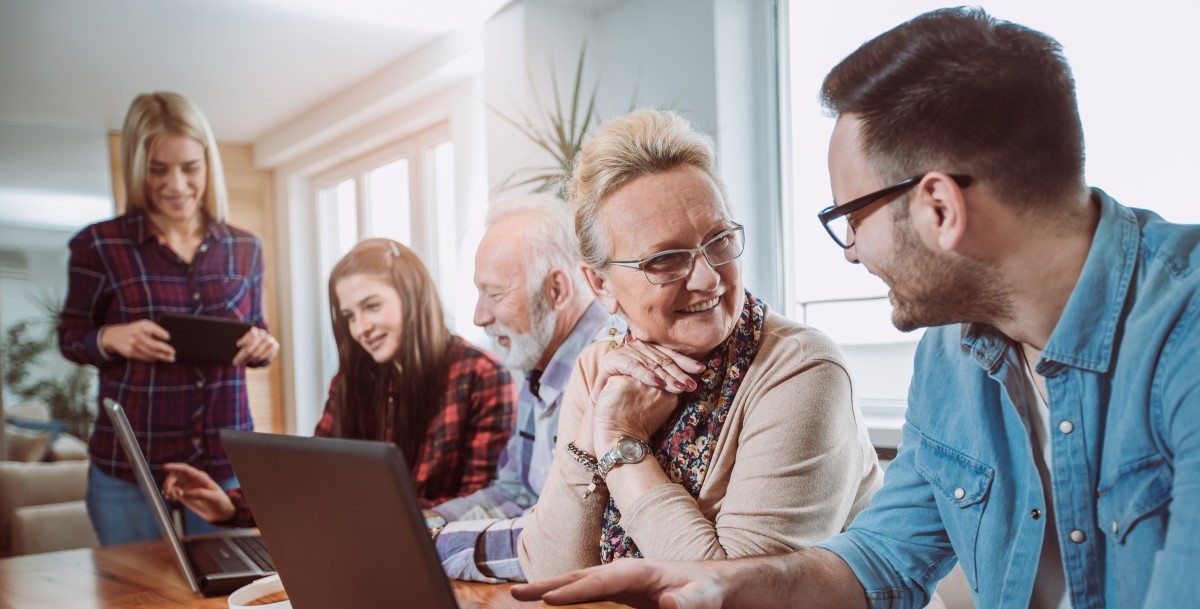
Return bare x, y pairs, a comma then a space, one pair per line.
714, 428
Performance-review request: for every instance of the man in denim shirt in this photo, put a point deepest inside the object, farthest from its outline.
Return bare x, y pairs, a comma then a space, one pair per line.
1052, 440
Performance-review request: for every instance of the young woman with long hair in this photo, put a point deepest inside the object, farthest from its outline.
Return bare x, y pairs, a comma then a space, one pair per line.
402, 377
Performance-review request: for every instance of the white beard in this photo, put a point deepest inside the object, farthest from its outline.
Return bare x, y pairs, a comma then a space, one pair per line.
526, 349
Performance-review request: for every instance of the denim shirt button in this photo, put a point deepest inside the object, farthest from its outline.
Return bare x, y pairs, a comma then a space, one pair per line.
1078, 536
1066, 426
1115, 527
959, 493
1035, 513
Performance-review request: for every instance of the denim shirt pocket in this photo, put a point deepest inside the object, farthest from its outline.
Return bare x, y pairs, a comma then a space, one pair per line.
1132, 508
1139, 490
961, 486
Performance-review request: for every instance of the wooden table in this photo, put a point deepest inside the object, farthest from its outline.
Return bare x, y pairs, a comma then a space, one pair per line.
145, 575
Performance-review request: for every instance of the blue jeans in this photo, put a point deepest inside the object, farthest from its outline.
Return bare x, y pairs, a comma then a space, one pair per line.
120, 514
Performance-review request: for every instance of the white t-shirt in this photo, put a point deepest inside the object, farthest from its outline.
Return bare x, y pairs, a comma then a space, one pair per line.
1050, 584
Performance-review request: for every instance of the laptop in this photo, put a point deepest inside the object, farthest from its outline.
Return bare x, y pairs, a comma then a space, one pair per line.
212, 564
342, 520
203, 338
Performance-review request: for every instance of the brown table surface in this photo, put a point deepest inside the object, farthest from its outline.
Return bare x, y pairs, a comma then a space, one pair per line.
145, 575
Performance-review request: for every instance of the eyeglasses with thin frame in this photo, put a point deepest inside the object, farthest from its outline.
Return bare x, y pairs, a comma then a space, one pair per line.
672, 265
836, 218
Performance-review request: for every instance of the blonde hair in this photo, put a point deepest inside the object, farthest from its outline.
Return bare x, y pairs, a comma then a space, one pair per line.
641, 143
165, 113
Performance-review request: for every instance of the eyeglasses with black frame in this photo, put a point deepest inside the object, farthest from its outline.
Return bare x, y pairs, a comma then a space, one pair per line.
836, 218
672, 265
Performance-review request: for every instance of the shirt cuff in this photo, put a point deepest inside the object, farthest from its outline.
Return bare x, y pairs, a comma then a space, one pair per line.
97, 349
469, 548
487, 503
872, 571
242, 517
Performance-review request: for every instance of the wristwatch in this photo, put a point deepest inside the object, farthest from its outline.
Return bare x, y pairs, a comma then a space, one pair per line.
627, 450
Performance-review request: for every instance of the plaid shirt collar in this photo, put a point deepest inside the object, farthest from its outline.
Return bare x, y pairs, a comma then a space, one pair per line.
137, 227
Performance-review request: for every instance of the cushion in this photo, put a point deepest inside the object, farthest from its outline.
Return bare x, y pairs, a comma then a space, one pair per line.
67, 448
54, 427
29, 411
52, 527
26, 445
23, 484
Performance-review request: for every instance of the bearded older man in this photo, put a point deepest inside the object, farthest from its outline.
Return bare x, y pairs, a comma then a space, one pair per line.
534, 302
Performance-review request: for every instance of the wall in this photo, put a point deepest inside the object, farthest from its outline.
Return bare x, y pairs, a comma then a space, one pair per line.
53, 180
713, 61
52, 177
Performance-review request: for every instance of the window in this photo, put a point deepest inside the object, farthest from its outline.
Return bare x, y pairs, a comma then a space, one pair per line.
403, 191
1129, 82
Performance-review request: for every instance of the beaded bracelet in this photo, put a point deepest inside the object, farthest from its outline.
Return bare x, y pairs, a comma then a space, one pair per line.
590, 463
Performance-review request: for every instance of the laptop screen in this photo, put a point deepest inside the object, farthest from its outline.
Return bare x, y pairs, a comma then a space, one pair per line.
141, 470
342, 521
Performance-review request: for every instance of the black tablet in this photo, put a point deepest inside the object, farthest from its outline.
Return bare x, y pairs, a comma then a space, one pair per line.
203, 338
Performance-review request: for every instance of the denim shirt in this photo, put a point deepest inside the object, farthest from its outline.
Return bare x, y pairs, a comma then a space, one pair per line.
1122, 369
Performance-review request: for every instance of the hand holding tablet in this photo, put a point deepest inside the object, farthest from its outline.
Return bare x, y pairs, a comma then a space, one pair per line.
203, 338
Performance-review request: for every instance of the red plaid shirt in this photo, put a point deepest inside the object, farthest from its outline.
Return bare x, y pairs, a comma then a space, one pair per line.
466, 436
119, 273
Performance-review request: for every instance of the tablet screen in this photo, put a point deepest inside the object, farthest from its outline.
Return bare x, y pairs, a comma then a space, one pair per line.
202, 338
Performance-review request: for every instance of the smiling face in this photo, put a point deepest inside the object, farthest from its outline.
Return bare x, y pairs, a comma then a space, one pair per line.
677, 209
176, 173
929, 287
371, 309
509, 309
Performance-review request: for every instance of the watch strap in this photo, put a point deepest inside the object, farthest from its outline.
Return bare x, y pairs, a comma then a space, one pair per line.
614, 457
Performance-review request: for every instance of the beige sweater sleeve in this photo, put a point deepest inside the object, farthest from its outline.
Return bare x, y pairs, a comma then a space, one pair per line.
793, 465
562, 531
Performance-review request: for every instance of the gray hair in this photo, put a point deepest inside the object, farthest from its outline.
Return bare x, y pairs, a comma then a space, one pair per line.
549, 241
641, 143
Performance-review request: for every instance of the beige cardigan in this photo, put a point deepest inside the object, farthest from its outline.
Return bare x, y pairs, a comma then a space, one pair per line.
793, 466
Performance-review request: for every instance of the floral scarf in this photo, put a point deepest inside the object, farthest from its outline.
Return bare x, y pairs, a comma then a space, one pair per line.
684, 444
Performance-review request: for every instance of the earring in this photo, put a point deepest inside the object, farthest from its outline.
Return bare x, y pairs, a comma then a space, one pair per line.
612, 333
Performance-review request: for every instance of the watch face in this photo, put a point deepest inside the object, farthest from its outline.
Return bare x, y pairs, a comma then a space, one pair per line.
631, 451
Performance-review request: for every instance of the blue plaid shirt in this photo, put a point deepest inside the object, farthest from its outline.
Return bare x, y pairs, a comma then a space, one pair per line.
480, 542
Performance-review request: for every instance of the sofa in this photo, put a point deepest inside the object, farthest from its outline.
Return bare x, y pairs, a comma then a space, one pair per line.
43, 481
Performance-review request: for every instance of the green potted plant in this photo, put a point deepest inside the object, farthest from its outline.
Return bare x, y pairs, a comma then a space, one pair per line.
558, 130
29, 346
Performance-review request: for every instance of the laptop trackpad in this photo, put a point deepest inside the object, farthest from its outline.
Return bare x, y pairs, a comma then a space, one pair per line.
214, 556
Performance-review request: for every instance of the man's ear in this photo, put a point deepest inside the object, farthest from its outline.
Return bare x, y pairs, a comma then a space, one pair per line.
558, 289
598, 281
938, 211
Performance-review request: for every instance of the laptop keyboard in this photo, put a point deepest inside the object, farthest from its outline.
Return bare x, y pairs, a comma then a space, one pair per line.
256, 549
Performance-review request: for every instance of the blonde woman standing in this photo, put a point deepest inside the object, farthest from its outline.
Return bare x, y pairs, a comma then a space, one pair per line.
170, 252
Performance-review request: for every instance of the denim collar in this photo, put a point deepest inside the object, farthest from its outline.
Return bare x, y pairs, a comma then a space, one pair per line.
1084, 335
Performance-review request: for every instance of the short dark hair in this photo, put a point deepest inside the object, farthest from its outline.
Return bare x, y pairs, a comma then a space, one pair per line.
957, 90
